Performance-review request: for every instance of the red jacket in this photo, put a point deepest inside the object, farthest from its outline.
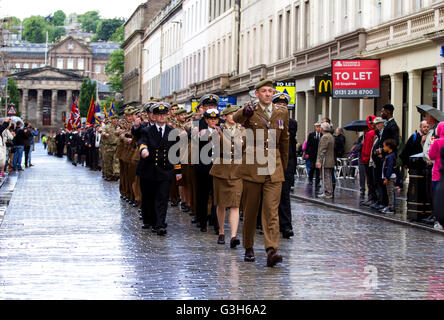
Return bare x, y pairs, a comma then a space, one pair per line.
368, 142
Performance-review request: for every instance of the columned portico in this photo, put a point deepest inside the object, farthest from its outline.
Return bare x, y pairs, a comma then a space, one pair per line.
54, 107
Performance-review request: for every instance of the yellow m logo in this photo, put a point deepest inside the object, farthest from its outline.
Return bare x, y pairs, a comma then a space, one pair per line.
328, 86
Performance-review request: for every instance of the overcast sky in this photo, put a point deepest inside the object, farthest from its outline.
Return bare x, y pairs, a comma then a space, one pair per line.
107, 8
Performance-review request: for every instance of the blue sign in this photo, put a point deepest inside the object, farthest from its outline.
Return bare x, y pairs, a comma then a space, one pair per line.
3, 80
442, 51
224, 101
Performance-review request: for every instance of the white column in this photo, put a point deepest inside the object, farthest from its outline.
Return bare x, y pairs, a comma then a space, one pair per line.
39, 107
303, 28
414, 100
397, 97
54, 108
341, 101
24, 106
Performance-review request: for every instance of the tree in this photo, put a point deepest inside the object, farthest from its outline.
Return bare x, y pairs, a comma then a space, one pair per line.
58, 33
13, 96
114, 69
59, 18
35, 28
119, 35
87, 90
107, 27
89, 21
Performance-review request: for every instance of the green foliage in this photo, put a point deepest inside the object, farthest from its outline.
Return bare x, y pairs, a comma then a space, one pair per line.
119, 35
58, 33
14, 95
107, 27
87, 90
35, 29
89, 21
114, 69
59, 18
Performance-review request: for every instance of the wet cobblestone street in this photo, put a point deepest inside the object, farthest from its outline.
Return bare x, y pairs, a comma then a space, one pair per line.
67, 235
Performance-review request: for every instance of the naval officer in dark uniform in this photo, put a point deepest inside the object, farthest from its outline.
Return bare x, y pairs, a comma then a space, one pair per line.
155, 170
285, 225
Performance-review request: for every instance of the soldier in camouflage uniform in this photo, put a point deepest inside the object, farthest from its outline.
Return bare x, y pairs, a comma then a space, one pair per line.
110, 141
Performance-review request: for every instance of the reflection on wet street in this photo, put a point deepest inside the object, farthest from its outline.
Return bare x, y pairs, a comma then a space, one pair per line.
67, 235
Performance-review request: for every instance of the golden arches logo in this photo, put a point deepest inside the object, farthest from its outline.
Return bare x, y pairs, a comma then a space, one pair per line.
328, 86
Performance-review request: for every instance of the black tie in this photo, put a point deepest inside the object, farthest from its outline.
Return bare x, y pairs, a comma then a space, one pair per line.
160, 131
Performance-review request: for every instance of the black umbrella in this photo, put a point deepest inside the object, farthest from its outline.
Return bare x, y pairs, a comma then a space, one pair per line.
435, 113
357, 125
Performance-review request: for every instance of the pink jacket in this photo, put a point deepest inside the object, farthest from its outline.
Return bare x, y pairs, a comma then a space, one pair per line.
435, 152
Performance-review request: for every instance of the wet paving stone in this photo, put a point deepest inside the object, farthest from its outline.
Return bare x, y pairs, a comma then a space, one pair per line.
67, 235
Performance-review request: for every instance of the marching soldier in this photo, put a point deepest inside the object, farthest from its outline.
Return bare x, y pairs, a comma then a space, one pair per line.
202, 170
227, 183
155, 170
110, 141
285, 226
264, 180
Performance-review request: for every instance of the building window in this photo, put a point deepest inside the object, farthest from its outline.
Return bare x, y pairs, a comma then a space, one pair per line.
26, 66
35, 65
60, 63
70, 63
98, 68
80, 64
18, 66
359, 14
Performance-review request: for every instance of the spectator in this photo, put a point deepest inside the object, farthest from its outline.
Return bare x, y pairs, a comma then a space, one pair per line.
366, 154
3, 149
19, 146
439, 199
306, 157
326, 159
27, 143
388, 174
355, 153
431, 135
339, 143
375, 162
414, 144
435, 155
312, 151
44, 141
391, 129
11, 147
35, 133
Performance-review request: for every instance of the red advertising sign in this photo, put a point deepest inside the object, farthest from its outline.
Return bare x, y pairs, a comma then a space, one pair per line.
356, 78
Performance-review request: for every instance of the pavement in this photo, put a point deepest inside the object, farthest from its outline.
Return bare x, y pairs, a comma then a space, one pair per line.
67, 235
347, 198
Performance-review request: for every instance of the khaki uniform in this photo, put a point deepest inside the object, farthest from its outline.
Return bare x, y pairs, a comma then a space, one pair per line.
122, 155
268, 185
227, 182
110, 160
52, 148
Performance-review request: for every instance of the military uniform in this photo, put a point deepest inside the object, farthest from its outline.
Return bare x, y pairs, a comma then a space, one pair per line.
110, 160
285, 225
156, 173
261, 179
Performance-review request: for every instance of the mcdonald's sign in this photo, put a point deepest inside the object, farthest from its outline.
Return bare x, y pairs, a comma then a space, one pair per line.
323, 86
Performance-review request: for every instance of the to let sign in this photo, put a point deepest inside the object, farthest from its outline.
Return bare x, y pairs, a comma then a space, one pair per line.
356, 78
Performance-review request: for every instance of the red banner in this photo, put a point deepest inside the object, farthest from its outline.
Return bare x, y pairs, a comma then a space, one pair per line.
356, 78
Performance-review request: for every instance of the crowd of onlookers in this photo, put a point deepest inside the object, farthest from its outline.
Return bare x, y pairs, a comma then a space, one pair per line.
382, 160
16, 143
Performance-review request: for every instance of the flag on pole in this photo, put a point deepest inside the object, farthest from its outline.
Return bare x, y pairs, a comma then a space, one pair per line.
97, 118
105, 111
112, 112
77, 119
91, 111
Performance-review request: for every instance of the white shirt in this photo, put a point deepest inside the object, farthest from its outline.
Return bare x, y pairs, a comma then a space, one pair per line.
163, 129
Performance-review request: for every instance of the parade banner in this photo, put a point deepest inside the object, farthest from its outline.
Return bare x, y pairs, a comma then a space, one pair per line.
194, 104
356, 78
